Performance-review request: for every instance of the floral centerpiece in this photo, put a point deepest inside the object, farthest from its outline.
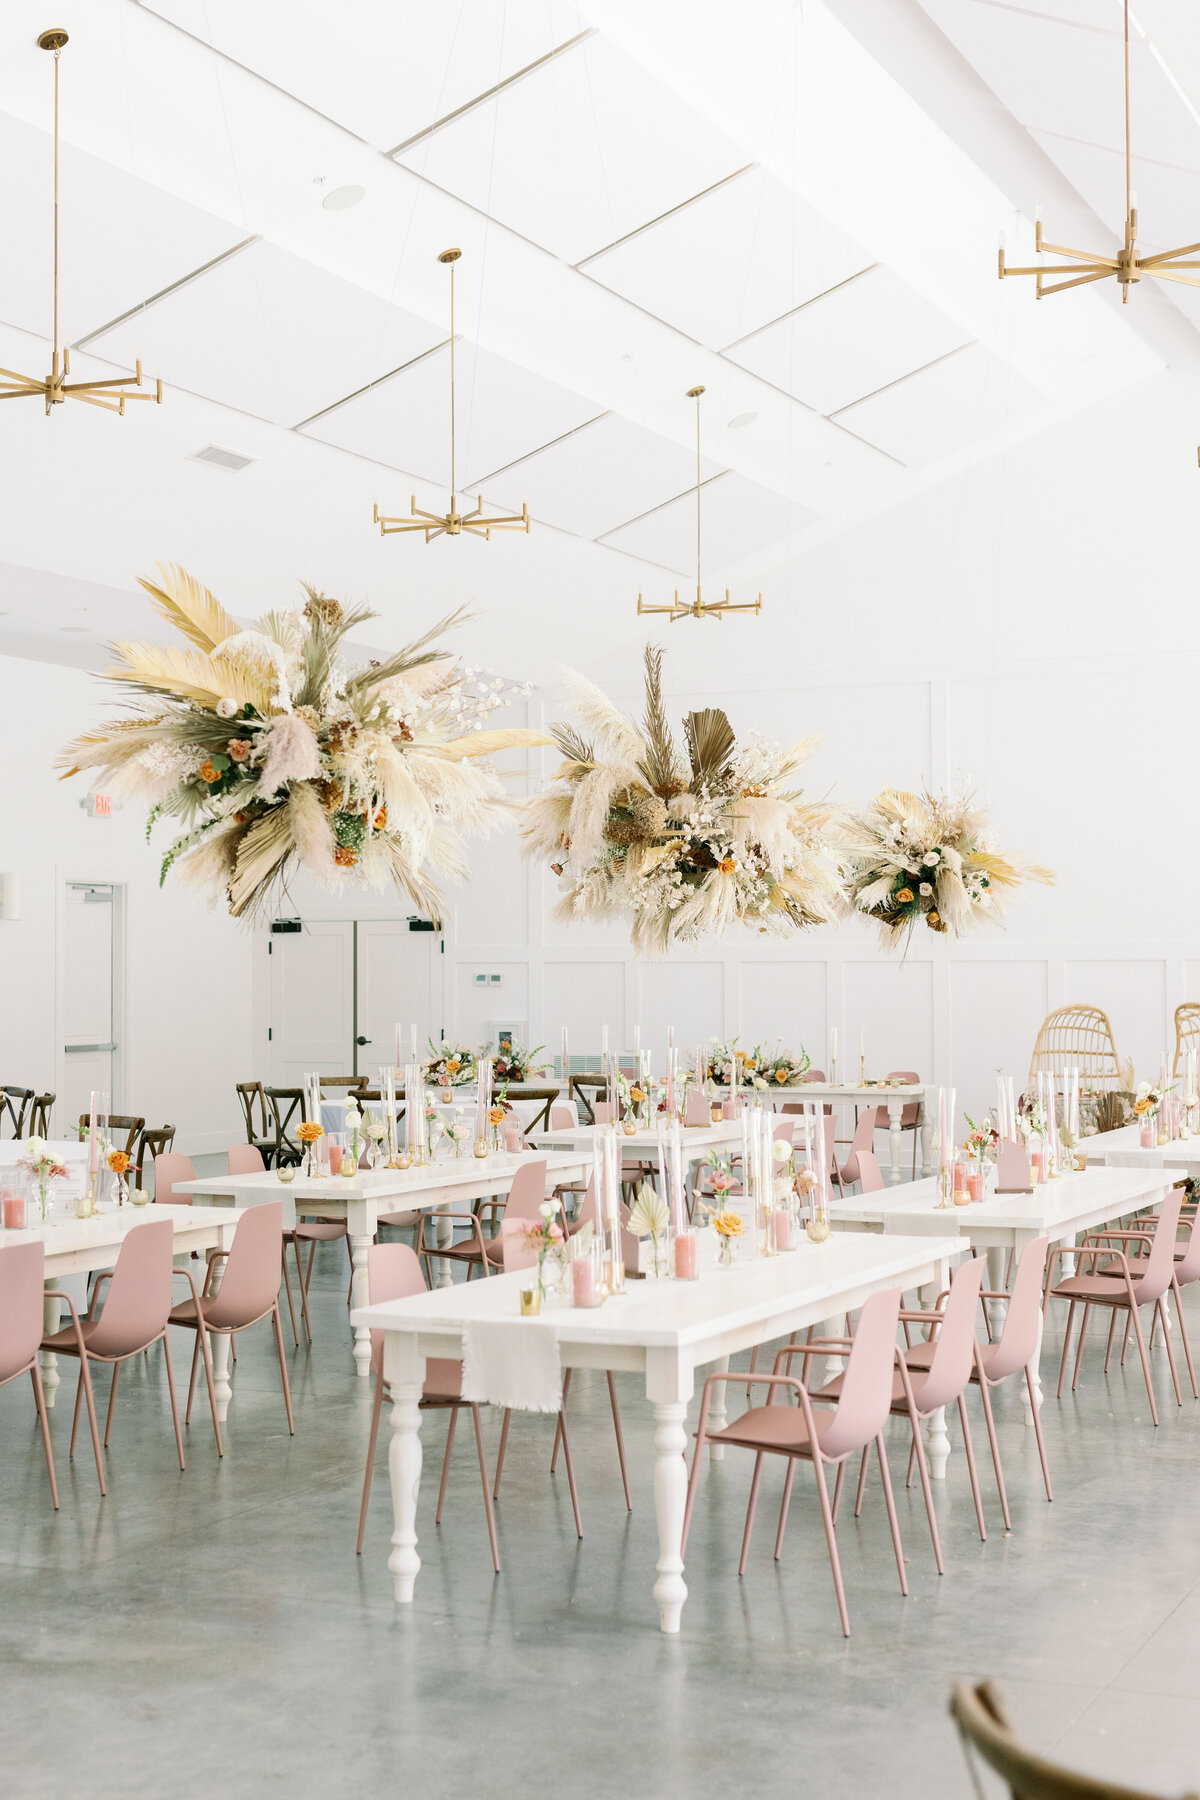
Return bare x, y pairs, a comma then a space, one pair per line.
762, 1069
277, 747
908, 857
545, 1235
517, 1064
718, 1174
308, 1133
450, 1065
118, 1162
44, 1168
649, 1217
729, 1228
679, 845
1147, 1099
981, 1140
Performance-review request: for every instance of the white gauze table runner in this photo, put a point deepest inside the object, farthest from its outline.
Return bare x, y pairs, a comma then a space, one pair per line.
512, 1362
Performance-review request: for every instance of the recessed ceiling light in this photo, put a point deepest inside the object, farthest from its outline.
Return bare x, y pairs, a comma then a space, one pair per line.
338, 199
742, 419
217, 458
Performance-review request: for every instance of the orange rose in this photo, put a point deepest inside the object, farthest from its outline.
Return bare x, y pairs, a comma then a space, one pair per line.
727, 865
209, 774
904, 897
781, 1074
310, 1131
345, 857
118, 1161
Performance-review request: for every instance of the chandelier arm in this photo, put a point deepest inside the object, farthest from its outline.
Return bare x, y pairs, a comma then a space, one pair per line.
1107, 268
104, 405
1163, 256
1171, 275
1060, 287
22, 393
117, 381
1080, 256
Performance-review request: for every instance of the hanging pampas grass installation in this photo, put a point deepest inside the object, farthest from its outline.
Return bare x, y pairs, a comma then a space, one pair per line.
277, 748
679, 844
907, 857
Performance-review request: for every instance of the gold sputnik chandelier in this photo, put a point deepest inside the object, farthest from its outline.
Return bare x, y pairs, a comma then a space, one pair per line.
1082, 266
56, 388
453, 523
699, 608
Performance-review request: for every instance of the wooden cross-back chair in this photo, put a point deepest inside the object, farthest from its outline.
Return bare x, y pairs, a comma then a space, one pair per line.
545, 1096
39, 1115
260, 1128
118, 1123
585, 1089
155, 1141
1077, 1037
1187, 1031
14, 1104
285, 1104
988, 1737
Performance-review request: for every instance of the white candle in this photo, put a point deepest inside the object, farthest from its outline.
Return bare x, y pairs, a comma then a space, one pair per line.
833, 1053
412, 1044
566, 1061
93, 1144
604, 1043
947, 1108
637, 1041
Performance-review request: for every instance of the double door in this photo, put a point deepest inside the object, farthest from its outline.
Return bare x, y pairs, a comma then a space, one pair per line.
339, 987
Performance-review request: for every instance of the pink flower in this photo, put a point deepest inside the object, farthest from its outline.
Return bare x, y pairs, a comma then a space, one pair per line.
722, 1183
239, 749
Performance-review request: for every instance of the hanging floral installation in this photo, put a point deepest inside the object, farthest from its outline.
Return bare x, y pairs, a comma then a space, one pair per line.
679, 845
278, 748
908, 857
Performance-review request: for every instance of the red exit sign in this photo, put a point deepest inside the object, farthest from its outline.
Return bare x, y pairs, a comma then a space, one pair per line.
99, 806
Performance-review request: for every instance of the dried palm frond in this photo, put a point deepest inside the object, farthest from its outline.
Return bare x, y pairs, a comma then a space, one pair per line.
412, 656
184, 603
572, 745
711, 745
487, 743
191, 675
659, 766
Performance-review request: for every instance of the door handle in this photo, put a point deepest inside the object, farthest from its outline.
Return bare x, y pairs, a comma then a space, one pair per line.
363, 1040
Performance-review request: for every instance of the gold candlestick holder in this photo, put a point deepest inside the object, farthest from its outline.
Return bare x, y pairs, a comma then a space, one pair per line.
481, 1147
945, 1189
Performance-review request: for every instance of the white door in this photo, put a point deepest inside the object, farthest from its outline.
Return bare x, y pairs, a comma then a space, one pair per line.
88, 1000
399, 983
311, 1007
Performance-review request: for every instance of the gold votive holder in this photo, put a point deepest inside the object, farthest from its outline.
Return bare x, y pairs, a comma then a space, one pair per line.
817, 1229
401, 1161
285, 1174
85, 1205
531, 1302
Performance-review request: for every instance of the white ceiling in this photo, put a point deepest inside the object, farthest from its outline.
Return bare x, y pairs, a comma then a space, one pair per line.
647, 198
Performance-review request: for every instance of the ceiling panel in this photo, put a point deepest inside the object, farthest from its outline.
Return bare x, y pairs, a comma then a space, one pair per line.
739, 518
383, 71
272, 335
581, 152
599, 477
1168, 198
738, 257
503, 412
1068, 78
840, 347
945, 408
121, 239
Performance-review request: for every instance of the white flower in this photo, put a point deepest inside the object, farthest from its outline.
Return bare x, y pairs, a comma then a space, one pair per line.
353, 1117
35, 1148
781, 1151
226, 708
926, 889
547, 1210
932, 858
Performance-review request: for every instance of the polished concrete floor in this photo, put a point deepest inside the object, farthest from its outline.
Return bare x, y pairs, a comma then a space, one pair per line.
212, 1632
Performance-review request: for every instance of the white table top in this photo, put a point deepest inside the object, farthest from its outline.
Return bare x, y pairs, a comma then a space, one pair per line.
679, 1314
78, 1241
696, 1138
492, 1174
1054, 1206
64, 1150
1183, 1154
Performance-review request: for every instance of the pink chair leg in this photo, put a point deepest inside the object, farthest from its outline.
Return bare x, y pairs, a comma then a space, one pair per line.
691, 1488
927, 1492
39, 1400
837, 1488
893, 1521
171, 1390
566, 1444
1141, 1344
1062, 1366
371, 1443
1037, 1427
972, 1471
450, 1430
784, 1505
862, 1482
206, 1352
616, 1416
831, 1540
1083, 1325
287, 1288
85, 1382
112, 1401
283, 1375
187, 1417
566, 1388
487, 1493
1112, 1326
504, 1447
995, 1448
1160, 1312
750, 1511
1183, 1337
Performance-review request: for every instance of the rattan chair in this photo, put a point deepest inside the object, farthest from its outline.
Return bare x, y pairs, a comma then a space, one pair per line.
156, 1141
14, 1104
117, 1123
257, 1115
39, 1115
1187, 1031
987, 1736
1078, 1037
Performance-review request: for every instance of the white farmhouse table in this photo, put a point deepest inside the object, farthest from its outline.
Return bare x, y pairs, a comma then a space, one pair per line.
892, 1098
1123, 1148
1081, 1201
661, 1330
642, 1146
78, 1246
361, 1199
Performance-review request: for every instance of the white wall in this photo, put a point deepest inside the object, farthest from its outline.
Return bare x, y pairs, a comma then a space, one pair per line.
187, 1001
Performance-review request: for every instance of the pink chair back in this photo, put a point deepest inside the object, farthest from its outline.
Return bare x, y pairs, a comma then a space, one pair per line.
784, 1131
563, 1117
954, 1346
911, 1115
138, 1298
393, 1273
1160, 1264
528, 1190
814, 1075
244, 1159
699, 1108
1019, 1338
168, 1169
22, 1272
866, 1396
1188, 1267
519, 1253
587, 1213
250, 1284
864, 1139
603, 1112
870, 1175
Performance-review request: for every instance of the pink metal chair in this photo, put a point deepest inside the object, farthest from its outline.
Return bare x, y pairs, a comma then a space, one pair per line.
796, 1431
1013, 1354
1118, 1288
480, 1252
247, 1159
863, 1143
932, 1380
22, 1293
170, 1167
394, 1273
563, 1117
870, 1175
249, 1292
135, 1314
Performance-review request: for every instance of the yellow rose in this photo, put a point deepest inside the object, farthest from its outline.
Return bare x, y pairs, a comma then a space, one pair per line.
781, 1074
904, 897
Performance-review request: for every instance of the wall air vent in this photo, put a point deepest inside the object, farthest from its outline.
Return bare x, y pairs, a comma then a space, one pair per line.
221, 459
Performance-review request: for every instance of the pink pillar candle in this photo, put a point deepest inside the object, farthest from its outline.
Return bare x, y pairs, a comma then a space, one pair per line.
512, 1136
781, 1229
1149, 1133
975, 1185
1037, 1165
583, 1282
335, 1159
685, 1256
14, 1211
